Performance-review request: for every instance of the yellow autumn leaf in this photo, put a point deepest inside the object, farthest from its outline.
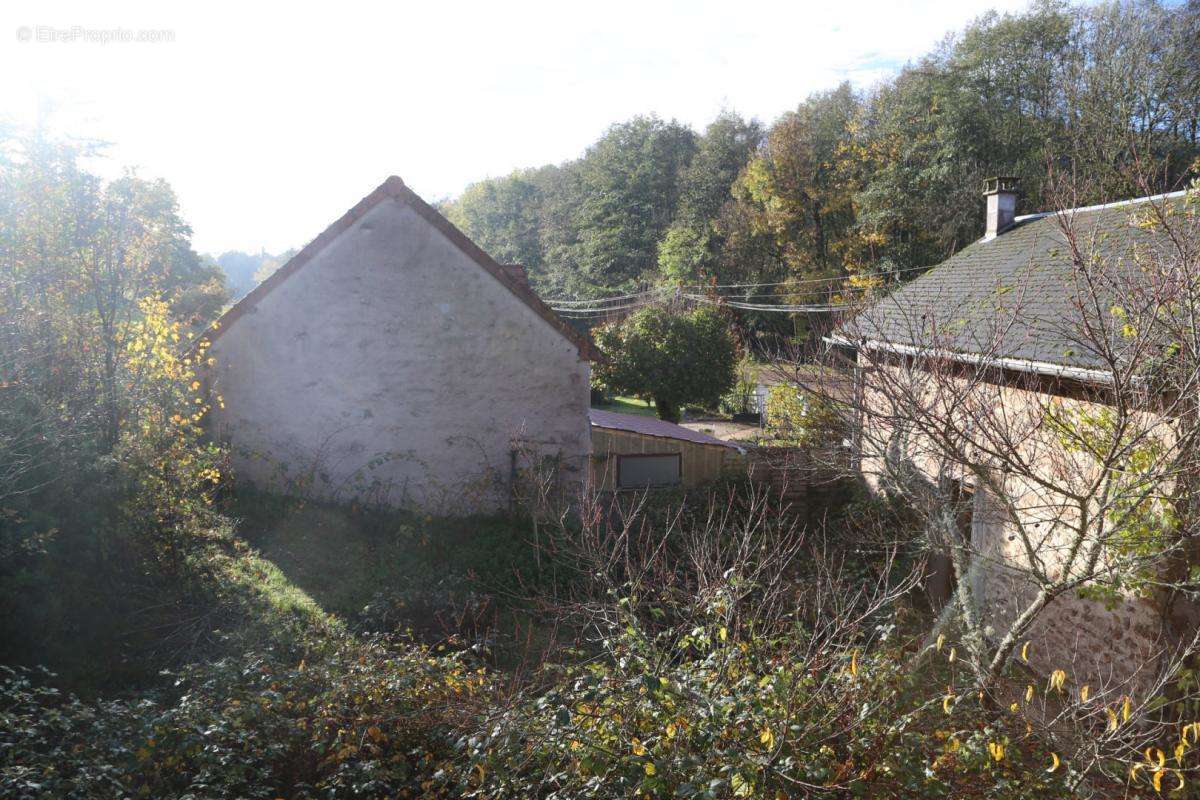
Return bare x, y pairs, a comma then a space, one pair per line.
1179, 777
723, 633
1053, 762
637, 747
670, 730
950, 658
650, 770
767, 738
1126, 709
941, 640
1029, 693
854, 663
1025, 652
1083, 693
946, 701
997, 750
1158, 781
1112, 719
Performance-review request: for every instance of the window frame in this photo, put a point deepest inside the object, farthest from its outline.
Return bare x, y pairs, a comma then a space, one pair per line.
679, 469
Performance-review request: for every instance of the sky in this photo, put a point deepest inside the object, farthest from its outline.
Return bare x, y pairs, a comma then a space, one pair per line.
270, 120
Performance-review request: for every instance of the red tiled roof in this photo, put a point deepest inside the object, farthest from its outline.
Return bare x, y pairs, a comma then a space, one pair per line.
652, 426
394, 188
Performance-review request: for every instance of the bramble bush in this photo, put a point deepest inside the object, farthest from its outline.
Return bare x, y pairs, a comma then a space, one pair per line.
352, 719
734, 656
718, 718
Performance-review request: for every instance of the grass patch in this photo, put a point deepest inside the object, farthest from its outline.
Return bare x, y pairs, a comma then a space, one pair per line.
629, 405
389, 570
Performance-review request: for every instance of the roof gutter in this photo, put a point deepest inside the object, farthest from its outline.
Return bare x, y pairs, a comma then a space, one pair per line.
1099, 376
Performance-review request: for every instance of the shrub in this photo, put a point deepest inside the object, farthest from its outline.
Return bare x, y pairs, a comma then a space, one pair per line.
704, 712
796, 417
352, 719
675, 358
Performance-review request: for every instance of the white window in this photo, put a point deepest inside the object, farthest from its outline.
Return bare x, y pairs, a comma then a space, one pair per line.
642, 471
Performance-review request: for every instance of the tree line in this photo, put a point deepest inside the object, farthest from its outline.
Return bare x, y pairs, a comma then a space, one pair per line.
856, 185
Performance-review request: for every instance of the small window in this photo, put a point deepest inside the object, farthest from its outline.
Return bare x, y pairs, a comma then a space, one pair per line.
642, 471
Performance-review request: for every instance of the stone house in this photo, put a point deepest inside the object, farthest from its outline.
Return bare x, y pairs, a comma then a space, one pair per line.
393, 361
995, 322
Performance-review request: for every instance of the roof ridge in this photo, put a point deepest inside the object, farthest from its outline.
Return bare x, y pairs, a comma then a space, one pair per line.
1101, 206
395, 188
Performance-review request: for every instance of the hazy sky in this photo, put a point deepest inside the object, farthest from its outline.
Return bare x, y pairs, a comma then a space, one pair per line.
271, 120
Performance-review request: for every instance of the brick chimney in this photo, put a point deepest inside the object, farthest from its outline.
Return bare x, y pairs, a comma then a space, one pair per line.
1001, 194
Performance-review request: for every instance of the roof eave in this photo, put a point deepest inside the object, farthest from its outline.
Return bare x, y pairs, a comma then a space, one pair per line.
1046, 368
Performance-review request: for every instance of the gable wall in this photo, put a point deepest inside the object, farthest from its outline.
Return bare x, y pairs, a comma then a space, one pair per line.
393, 368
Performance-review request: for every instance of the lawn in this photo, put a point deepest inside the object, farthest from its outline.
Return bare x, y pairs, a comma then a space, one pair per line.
629, 405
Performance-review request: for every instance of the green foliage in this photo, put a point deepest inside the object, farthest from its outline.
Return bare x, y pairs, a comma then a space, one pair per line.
504, 215
676, 358
737, 400
620, 201
705, 709
1141, 519
385, 571
800, 418
104, 480
863, 187
684, 255
347, 719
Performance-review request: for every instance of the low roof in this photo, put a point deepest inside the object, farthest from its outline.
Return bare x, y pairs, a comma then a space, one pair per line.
1011, 297
394, 189
652, 426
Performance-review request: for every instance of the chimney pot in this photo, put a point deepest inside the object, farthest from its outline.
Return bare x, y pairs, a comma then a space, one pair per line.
1001, 195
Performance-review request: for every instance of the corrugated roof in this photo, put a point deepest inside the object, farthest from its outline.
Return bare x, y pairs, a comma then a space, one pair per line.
1015, 296
652, 426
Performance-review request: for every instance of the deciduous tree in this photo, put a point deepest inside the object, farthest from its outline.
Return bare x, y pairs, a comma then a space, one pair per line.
672, 357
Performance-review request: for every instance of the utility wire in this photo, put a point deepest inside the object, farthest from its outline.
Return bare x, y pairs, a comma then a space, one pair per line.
705, 287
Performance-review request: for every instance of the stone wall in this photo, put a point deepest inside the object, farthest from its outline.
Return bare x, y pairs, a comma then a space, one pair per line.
391, 368
1098, 642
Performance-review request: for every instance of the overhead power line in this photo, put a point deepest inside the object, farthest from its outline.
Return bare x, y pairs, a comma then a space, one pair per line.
707, 287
